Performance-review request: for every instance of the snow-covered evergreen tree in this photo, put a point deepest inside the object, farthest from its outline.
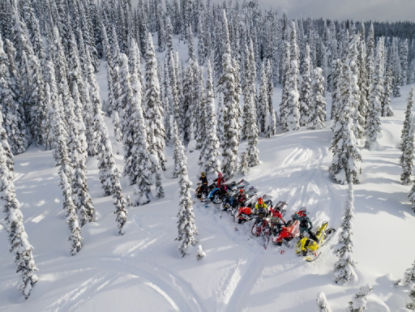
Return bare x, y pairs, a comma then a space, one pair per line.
270, 116
376, 93
227, 85
387, 94
18, 238
243, 164
262, 101
359, 301
62, 158
318, 108
12, 110
138, 164
249, 90
291, 83
408, 114
153, 108
322, 303
407, 157
285, 87
306, 89
396, 68
186, 225
345, 165
211, 149
363, 82
344, 267
336, 92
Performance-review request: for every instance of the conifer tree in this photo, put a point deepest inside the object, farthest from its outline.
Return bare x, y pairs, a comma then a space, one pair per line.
243, 165
292, 79
344, 267
270, 117
318, 113
262, 102
306, 89
322, 303
136, 152
249, 90
409, 276
227, 85
407, 157
363, 83
376, 93
285, 87
187, 103
396, 68
345, 165
354, 92
12, 110
18, 238
407, 120
211, 149
359, 301
153, 108
186, 226
387, 94
336, 93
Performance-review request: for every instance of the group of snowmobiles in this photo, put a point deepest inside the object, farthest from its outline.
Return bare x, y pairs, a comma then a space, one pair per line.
245, 204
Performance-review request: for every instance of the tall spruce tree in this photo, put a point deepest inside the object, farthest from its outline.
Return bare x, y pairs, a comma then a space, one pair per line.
13, 112
211, 150
306, 89
344, 267
376, 93
227, 85
318, 113
186, 226
62, 158
153, 107
291, 83
18, 238
138, 165
345, 165
407, 157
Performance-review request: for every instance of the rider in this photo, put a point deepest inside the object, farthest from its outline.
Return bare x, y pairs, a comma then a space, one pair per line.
277, 220
261, 210
241, 198
204, 184
305, 223
219, 183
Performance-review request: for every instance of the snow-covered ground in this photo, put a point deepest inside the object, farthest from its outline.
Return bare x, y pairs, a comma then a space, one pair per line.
142, 270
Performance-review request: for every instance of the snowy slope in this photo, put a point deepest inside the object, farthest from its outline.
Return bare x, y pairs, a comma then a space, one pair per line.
143, 269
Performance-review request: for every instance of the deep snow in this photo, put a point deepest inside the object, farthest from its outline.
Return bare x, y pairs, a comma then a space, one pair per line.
143, 269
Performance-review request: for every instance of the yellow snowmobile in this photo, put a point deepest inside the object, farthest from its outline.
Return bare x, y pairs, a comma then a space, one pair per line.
309, 248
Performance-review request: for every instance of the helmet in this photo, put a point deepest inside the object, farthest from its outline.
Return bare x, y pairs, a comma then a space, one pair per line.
203, 174
260, 201
220, 175
302, 212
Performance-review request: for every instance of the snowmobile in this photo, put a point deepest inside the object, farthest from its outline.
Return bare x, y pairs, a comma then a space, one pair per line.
244, 214
216, 195
309, 248
199, 194
287, 233
262, 228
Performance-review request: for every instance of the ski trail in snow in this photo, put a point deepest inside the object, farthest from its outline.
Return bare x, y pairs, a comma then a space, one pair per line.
244, 285
174, 290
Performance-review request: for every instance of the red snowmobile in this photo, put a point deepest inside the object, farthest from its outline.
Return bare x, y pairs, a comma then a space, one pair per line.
244, 214
287, 233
